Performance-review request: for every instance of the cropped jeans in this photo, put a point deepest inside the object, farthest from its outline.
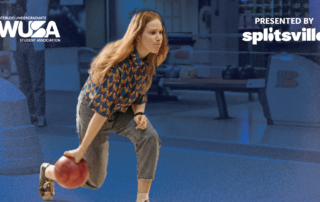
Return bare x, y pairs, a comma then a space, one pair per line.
147, 143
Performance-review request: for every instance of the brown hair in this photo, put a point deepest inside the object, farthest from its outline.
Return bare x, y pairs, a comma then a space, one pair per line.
117, 51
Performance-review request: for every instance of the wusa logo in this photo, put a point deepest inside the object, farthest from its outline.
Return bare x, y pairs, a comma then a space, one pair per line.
35, 29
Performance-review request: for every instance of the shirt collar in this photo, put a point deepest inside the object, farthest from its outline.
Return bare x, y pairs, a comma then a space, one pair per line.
136, 59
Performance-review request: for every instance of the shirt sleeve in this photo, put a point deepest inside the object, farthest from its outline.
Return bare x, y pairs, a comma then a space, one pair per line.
141, 99
103, 97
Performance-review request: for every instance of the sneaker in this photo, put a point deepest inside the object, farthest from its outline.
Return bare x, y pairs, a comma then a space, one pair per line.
42, 122
46, 186
33, 118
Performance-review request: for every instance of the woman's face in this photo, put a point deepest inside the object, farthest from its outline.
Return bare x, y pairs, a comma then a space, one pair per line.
150, 39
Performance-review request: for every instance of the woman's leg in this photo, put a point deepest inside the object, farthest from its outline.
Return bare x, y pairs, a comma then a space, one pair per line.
97, 153
143, 190
144, 186
49, 173
147, 145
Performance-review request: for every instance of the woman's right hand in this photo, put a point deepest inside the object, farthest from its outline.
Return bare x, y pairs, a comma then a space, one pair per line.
77, 154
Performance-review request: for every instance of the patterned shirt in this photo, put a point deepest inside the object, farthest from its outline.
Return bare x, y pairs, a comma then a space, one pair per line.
120, 87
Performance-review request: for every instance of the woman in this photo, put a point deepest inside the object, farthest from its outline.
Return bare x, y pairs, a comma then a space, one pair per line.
114, 99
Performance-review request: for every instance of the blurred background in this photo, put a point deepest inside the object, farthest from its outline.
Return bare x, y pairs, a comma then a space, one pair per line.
238, 122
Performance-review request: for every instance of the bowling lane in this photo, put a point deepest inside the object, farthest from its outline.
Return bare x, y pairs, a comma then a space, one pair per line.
247, 127
182, 176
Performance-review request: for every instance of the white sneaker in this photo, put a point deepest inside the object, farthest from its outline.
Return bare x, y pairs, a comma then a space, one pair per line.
42, 122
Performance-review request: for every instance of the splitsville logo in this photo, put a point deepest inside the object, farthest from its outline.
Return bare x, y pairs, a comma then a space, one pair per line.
268, 35
35, 29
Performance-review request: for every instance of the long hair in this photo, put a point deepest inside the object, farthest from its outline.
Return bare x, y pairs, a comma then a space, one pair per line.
115, 52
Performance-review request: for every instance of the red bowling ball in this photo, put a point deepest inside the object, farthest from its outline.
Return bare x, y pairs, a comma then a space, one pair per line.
69, 174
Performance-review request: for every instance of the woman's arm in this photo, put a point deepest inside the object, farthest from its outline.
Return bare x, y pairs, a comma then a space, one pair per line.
94, 126
141, 120
96, 123
101, 111
138, 108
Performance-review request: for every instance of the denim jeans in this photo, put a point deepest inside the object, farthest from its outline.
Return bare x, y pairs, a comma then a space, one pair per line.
31, 70
147, 143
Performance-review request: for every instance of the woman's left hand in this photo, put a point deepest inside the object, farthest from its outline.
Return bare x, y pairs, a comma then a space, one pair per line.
141, 121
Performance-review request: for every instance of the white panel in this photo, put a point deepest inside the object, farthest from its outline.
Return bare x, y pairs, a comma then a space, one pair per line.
168, 10
298, 105
176, 9
176, 25
159, 8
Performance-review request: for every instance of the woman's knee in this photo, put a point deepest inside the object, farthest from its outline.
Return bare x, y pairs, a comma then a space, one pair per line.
152, 137
96, 182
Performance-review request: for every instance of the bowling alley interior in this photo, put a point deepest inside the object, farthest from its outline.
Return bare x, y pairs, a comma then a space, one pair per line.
238, 122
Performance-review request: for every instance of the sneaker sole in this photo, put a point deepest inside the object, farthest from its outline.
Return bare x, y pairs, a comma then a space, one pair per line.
47, 195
